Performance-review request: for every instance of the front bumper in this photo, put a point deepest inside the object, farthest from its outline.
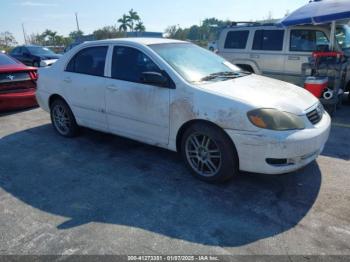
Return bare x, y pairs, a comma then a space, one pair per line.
299, 147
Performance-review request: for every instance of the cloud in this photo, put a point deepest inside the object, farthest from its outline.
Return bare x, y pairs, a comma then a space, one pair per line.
36, 4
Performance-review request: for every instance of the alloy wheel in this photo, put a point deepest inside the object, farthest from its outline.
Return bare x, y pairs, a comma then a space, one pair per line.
203, 155
61, 119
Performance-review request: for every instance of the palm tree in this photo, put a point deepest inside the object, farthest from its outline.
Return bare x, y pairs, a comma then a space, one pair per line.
140, 27
134, 17
50, 35
124, 23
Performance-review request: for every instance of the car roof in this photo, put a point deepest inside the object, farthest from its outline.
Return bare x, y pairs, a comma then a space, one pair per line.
137, 40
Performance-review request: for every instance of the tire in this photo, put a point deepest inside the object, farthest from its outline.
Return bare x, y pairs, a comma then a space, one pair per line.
209, 153
63, 119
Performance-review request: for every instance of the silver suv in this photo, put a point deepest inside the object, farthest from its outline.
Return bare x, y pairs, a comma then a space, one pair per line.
271, 50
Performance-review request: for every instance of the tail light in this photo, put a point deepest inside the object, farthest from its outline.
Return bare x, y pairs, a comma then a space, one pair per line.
33, 75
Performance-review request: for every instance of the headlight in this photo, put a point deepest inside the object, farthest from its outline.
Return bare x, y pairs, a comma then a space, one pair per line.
274, 119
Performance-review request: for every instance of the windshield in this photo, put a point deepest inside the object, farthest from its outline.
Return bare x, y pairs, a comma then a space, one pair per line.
343, 36
196, 64
38, 50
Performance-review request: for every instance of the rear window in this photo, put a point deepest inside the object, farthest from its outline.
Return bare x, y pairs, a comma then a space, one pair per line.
89, 61
236, 40
5, 60
268, 40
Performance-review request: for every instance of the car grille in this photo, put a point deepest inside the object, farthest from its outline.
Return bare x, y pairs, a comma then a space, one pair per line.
315, 116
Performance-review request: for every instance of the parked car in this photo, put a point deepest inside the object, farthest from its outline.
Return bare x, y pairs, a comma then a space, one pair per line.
176, 95
17, 84
33, 55
273, 51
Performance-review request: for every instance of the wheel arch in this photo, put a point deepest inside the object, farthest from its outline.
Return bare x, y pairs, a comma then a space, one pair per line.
188, 124
55, 97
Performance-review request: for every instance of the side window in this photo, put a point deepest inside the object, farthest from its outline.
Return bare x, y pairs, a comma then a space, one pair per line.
89, 61
128, 64
307, 40
268, 40
236, 40
16, 51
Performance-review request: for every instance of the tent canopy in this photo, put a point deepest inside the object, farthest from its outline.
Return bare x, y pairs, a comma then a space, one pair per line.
318, 12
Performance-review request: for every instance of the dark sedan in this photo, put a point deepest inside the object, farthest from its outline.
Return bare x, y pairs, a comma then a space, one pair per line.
33, 55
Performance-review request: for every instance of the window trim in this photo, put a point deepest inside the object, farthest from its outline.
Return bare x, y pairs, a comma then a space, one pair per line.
265, 50
302, 29
172, 84
84, 48
234, 31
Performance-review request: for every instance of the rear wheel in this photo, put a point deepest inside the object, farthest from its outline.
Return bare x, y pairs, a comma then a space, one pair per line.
63, 119
209, 153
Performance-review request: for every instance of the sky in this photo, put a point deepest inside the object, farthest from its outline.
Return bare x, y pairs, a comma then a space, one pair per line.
157, 15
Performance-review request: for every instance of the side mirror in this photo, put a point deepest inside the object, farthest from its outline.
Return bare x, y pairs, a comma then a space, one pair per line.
154, 78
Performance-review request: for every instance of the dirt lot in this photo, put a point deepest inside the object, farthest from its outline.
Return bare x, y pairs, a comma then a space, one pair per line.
101, 194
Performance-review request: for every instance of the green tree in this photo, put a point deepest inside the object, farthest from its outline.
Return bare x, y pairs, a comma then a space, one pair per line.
49, 37
107, 32
134, 18
140, 27
125, 23
76, 34
194, 32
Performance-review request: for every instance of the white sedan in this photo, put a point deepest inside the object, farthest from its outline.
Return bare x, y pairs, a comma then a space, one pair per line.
178, 96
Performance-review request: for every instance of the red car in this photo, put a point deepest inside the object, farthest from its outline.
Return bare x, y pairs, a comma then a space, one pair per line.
17, 84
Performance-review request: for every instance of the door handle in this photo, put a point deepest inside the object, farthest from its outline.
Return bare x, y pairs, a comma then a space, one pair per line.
112, 88
293, 57
254, 56
67, 80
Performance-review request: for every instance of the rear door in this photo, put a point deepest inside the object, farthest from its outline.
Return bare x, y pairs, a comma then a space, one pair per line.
84, 86
301, 44
268, 52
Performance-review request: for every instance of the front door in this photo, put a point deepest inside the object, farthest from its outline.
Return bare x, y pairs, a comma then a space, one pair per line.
134, 109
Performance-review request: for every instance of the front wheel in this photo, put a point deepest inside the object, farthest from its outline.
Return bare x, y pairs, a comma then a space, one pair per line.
63, 119
209, 153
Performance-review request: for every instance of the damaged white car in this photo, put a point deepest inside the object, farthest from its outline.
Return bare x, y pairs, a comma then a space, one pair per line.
178, 96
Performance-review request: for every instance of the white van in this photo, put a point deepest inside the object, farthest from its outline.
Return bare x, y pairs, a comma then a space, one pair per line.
271, 50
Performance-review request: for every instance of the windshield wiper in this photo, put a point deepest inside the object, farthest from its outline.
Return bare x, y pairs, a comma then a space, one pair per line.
225, 75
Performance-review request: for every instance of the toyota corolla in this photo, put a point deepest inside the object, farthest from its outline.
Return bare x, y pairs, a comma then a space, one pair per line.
178, 96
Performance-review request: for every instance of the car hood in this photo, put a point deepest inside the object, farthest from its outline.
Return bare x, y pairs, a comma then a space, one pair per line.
264, 92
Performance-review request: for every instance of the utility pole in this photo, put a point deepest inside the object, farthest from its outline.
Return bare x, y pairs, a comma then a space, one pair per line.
24, 34
77, 20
